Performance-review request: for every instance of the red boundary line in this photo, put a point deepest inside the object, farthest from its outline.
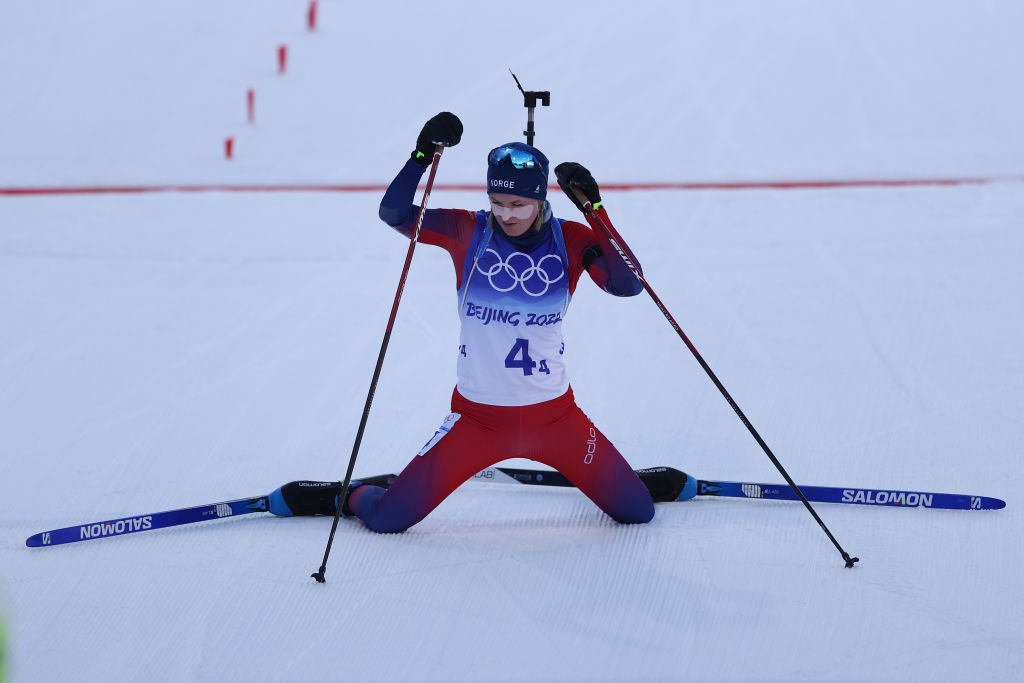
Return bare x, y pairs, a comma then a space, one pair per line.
738, 185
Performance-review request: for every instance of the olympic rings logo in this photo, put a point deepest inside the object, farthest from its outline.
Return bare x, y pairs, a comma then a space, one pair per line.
534, 278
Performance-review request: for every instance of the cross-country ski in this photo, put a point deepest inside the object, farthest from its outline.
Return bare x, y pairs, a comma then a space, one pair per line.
146, 522
672, 482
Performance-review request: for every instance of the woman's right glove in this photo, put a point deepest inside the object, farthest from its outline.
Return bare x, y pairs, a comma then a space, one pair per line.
445, 130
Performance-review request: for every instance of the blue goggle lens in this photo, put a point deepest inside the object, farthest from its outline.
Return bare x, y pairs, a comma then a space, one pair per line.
518, 157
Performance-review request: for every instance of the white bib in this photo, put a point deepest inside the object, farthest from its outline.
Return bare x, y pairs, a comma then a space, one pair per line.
511, 306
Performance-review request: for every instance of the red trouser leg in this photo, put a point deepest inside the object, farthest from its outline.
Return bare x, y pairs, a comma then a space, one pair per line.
555, 433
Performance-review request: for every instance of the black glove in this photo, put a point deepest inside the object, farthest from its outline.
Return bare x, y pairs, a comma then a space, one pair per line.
574, 176
445, 130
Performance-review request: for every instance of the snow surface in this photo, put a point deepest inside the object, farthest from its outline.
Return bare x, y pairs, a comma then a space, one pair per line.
165, 350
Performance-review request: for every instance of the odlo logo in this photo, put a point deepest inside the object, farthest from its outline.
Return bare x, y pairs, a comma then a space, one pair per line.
591, 447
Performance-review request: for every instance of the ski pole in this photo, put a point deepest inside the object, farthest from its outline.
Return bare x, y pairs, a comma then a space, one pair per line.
343, 496
618, 243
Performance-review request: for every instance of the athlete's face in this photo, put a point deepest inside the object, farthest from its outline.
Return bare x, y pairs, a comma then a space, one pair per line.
514, 214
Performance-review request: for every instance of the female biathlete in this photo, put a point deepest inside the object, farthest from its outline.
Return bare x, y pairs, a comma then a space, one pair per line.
516, 268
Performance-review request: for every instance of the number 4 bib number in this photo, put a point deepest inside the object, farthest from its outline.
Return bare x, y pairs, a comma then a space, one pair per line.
519, 359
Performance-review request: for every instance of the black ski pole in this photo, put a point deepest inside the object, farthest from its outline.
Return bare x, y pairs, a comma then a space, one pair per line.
530, 99
343, 496
618, 243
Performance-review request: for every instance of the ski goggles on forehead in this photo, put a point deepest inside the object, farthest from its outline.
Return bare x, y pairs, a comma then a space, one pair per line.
518, 157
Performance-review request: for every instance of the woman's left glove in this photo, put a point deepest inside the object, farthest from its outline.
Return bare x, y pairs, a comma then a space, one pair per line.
443, 130
575, 176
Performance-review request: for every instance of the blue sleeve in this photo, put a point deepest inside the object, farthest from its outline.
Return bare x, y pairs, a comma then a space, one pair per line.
606, 267
450, 229
397, 208
621, 279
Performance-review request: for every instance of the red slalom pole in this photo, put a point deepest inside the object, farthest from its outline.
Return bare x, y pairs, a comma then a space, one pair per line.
250, 104
282, 58
343, 496
311, 15
620, 246
229, 148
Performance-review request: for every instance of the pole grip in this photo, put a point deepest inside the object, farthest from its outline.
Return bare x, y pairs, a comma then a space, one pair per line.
582, 199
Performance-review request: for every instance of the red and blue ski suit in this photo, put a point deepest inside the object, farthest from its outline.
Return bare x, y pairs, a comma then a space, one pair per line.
513, 398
